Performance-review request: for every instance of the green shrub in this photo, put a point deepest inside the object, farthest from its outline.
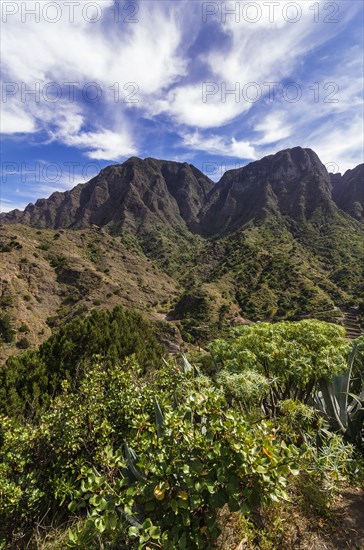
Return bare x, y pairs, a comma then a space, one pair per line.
7, 332
193, 457
23, 343
249, 386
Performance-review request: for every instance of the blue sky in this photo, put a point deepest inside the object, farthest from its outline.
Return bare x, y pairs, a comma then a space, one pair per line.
182, 80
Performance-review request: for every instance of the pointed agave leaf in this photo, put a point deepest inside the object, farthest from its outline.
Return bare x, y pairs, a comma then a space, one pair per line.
159, 418
175, 401
344, 414
187, 367
331, 405
133, 471
357, 399
319, 401
341, 389
355, 351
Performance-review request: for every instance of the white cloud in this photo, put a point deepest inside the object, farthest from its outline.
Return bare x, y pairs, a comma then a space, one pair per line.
193, 106
14, 119
342, 146
145, 53
217, 145
154, 53
257, 54
274, 129
103, 144
331, 124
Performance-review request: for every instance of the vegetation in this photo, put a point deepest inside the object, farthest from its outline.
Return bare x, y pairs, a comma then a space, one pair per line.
7, 332
288, 359
195, 311
277, 274
29, 381
136, 452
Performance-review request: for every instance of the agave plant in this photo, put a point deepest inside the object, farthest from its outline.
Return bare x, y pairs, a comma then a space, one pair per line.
343, 410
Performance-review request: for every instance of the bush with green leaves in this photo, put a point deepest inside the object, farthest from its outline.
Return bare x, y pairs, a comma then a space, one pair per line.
248, 387
7, 332
130, 457
73, 460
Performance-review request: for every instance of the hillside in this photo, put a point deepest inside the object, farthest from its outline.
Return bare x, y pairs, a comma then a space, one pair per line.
47, 277
152, 199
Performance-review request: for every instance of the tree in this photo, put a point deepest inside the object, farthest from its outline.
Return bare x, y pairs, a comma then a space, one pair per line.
292, 356
7, 332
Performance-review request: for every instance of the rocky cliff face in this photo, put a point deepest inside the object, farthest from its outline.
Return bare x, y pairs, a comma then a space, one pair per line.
348, 191
133, 194
293, 183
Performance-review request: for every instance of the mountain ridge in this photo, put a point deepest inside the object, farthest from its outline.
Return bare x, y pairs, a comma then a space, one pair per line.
348, 191
169, 190
141, 192
293, 182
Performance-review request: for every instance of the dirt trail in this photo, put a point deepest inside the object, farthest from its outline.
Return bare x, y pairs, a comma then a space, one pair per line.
347, 526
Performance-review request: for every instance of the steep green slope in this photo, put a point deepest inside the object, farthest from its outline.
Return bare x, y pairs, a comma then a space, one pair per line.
277, 272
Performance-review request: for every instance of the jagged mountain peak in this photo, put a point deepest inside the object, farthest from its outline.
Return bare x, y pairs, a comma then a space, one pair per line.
292, 182
133, 194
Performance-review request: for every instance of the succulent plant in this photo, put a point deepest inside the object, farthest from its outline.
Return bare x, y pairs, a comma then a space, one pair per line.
343, 410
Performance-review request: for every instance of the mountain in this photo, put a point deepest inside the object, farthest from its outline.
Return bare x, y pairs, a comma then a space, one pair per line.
155, 200
136, 194
139, 195
292, 183
287, 247
348, 191
277, 239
